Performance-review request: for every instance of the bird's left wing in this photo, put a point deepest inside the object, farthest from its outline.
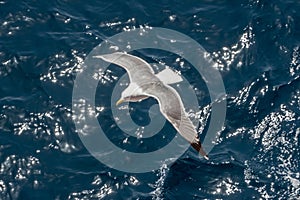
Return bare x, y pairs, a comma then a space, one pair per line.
139, 70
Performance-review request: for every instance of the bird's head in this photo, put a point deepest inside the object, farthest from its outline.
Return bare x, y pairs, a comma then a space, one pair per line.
125, 97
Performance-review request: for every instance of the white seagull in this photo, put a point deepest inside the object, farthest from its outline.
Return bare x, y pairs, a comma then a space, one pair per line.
144, 83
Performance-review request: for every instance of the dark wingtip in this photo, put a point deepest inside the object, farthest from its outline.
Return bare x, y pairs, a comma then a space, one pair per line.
206, 157
197, 146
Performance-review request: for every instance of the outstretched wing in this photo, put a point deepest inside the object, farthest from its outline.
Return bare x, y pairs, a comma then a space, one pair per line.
139, 71
172, 108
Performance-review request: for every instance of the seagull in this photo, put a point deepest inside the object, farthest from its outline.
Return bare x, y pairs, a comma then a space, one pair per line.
144, 84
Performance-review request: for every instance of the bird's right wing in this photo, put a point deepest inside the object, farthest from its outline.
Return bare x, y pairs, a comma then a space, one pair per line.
172, 108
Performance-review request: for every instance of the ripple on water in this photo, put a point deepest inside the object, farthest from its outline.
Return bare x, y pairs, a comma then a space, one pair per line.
255, 46
17, 172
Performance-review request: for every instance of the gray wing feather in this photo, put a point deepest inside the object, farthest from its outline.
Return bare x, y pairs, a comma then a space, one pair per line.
139, 71
172, 108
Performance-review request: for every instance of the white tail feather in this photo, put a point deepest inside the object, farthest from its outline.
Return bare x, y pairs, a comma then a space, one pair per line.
168, 76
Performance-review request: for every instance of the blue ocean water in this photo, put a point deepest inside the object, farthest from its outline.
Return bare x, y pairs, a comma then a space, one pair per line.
256, 45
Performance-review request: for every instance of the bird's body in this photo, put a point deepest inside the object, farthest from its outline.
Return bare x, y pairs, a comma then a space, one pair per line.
144, 83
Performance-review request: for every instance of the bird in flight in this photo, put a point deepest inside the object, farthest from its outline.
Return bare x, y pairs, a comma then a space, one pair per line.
144, 84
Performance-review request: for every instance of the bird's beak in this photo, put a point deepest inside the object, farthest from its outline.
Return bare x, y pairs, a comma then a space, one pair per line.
119, 102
